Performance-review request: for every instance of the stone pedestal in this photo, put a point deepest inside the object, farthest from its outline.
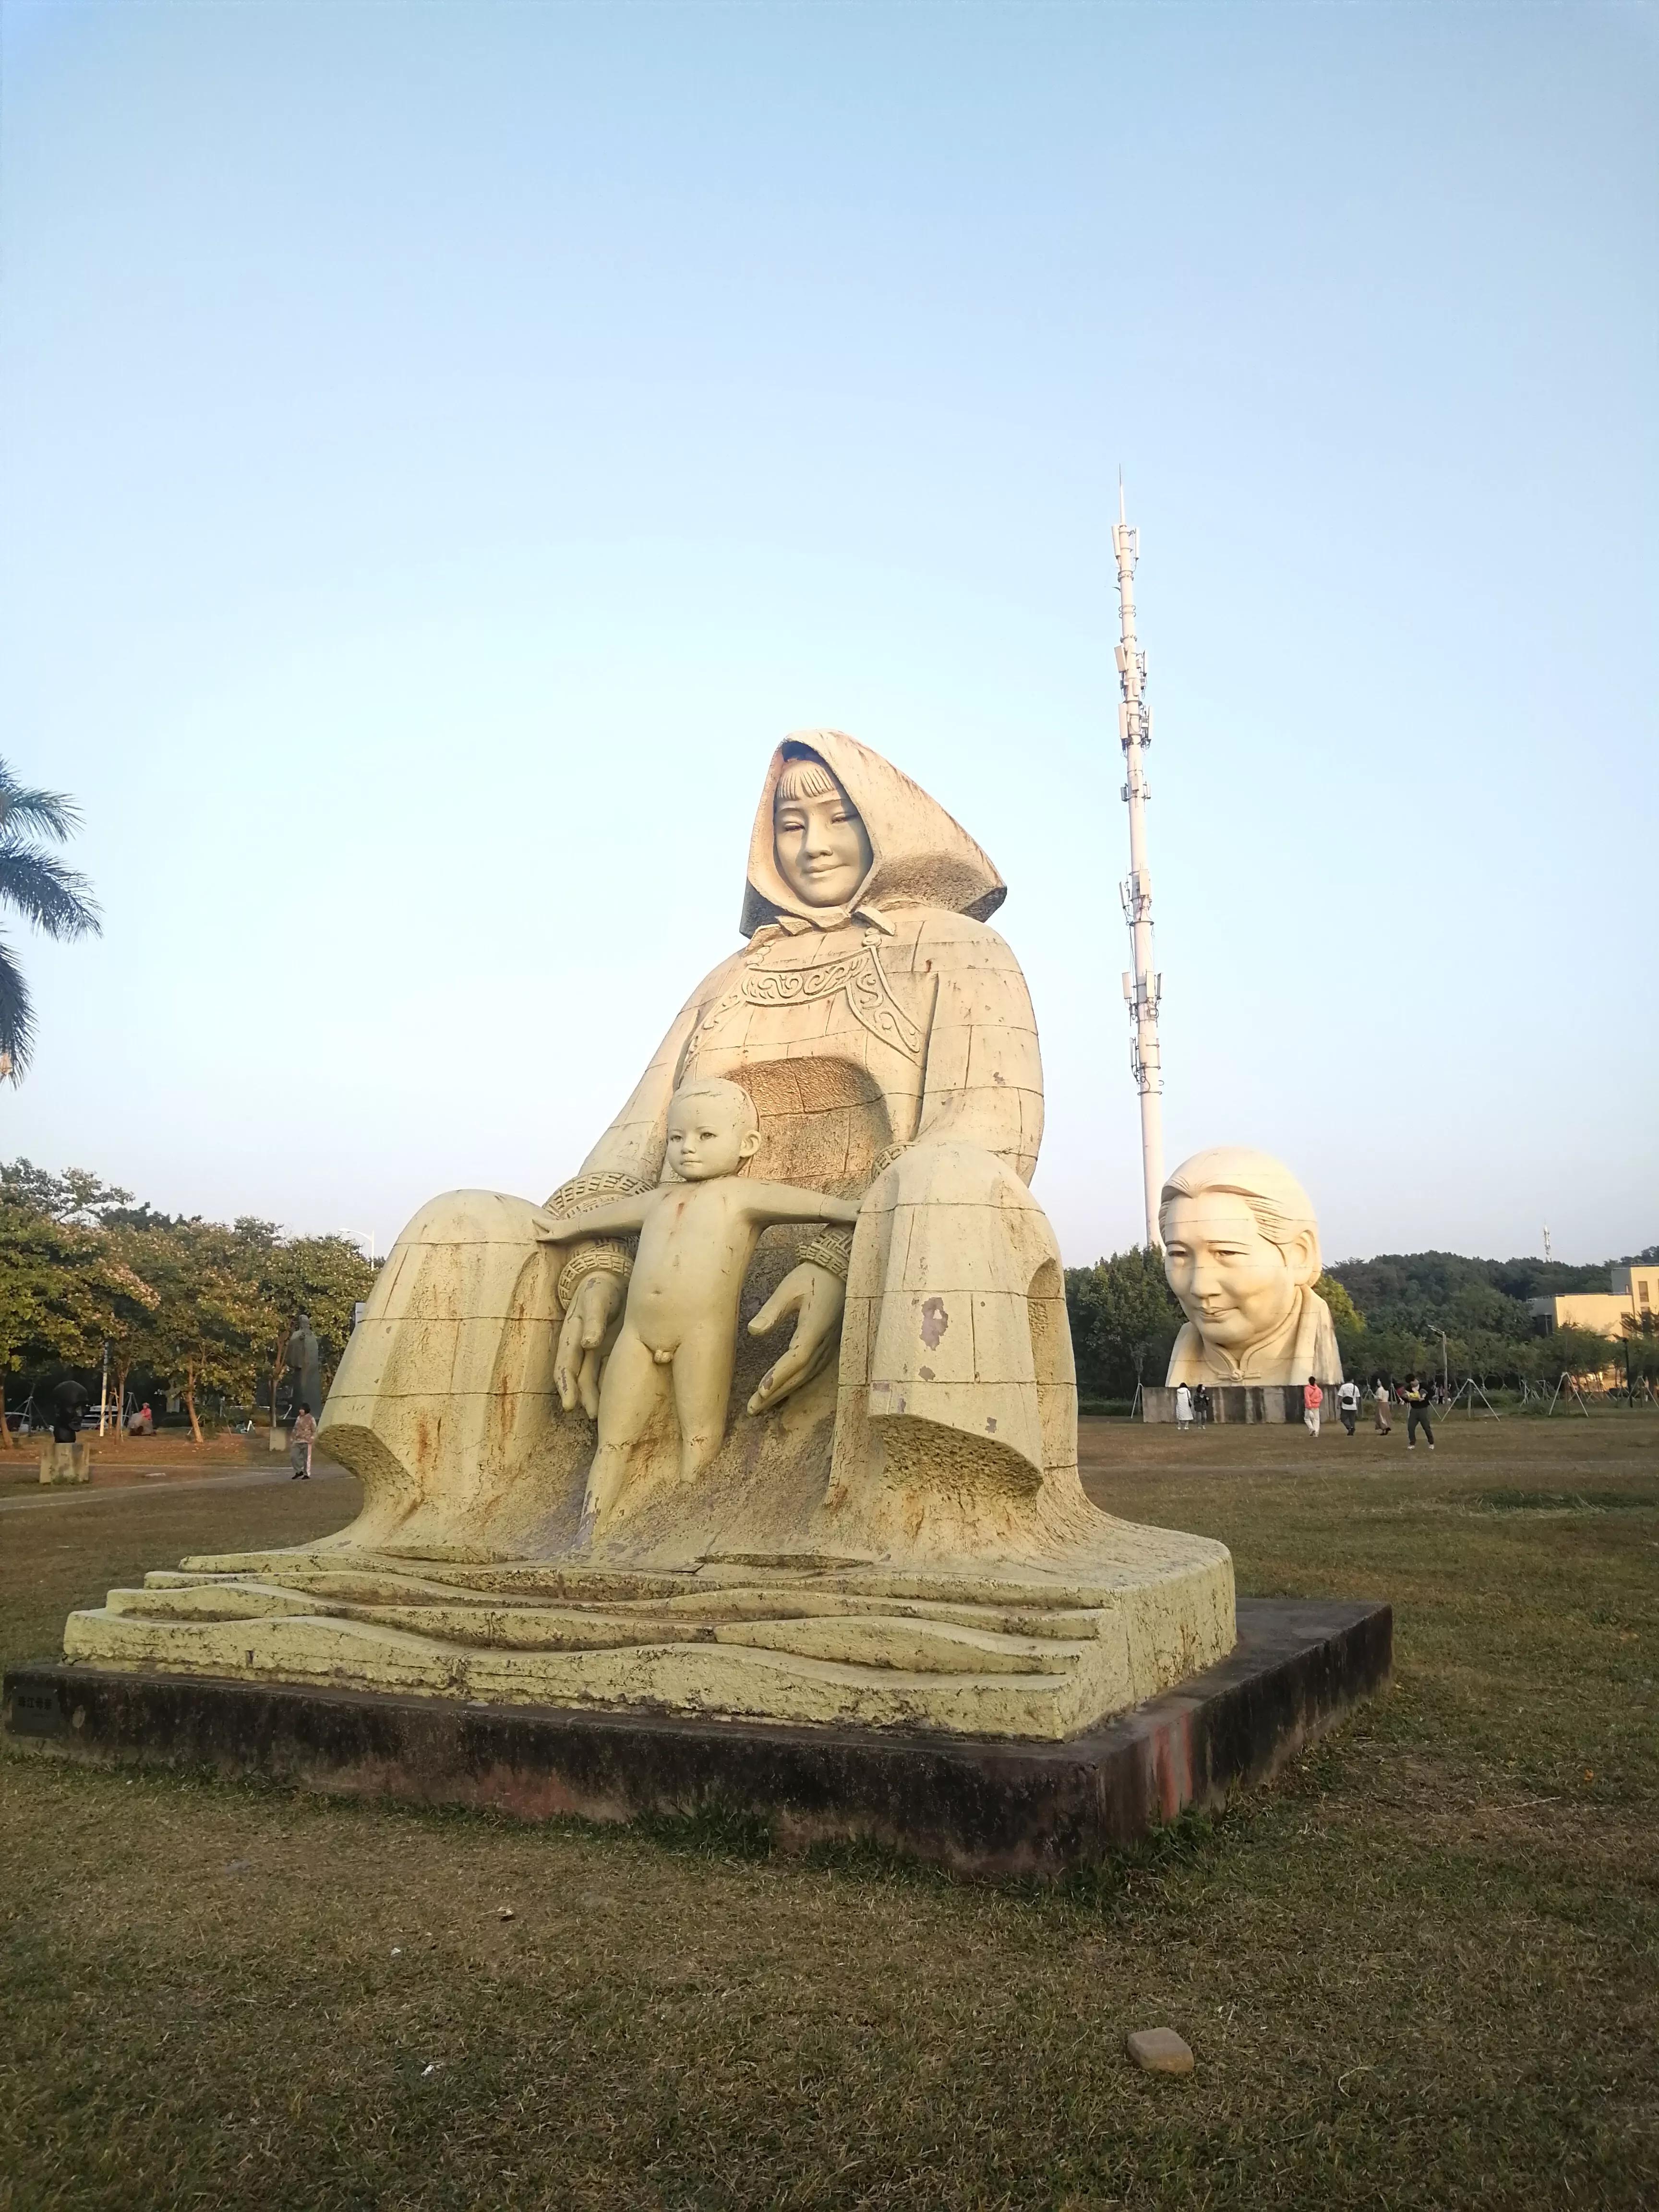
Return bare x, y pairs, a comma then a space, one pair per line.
61, 1464
983, 1806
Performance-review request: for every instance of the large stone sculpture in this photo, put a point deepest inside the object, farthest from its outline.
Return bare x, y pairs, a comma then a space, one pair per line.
883, 1523
1240, 1253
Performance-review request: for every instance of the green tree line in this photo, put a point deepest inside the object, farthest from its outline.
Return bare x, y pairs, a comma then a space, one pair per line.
1388, 1313
183, 1305
1408, 1297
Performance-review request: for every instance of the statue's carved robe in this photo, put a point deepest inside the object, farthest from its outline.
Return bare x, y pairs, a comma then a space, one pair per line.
890, 1050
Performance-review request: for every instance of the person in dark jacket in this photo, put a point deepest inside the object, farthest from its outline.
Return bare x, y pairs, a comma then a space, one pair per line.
1415, 1399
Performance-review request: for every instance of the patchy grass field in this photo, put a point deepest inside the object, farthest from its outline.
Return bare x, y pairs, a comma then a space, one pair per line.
1421, 1971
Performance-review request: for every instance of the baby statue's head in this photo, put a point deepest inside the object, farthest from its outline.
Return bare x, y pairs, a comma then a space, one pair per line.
713, 1128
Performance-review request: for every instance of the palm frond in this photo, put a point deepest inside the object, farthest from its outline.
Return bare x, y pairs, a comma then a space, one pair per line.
48, 813
58, 900
16, 1017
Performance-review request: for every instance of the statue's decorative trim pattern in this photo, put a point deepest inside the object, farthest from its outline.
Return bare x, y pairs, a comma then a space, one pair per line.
859, 977
870, 995
831, 1249
587, 1189
598, 1258
592, 1259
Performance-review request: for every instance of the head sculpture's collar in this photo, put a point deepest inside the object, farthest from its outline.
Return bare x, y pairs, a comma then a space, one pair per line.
920, 856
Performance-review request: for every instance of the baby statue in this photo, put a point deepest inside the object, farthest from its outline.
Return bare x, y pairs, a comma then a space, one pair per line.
697, 1238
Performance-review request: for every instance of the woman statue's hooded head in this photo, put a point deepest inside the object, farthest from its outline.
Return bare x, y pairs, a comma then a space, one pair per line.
840, 831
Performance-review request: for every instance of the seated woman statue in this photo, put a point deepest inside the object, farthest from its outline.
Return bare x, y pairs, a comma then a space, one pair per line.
878, 1522
923, 1408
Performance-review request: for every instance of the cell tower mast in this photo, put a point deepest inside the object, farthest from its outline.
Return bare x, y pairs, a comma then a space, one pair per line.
1142, 985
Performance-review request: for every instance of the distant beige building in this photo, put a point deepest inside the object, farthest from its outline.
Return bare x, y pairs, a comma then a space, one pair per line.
1635, 1292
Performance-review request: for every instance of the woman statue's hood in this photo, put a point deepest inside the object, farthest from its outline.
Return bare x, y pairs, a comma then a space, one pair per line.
920, 856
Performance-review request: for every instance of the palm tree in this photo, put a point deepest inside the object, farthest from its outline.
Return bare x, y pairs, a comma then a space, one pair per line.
57, 901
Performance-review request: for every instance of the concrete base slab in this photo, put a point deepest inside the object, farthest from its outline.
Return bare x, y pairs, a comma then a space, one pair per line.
62, 1465
977, 1805
1240, 1401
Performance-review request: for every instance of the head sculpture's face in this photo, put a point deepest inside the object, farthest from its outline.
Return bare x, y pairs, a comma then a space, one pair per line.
1237, 1284
712, 1130
821, 846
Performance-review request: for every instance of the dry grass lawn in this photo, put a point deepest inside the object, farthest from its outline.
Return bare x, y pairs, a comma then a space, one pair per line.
1420, 1971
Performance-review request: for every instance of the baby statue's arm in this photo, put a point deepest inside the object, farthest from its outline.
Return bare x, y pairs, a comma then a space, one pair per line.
617, 1217
785, 1201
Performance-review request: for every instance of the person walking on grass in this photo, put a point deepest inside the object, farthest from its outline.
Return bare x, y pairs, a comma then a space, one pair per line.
1312, 1399
1183, 1406
1201, 1406
1415, 1399
1347, 1405
302, 1436
1384, 1425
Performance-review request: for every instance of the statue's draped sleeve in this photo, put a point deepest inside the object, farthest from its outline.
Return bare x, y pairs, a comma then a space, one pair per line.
983, 1084
955, 1318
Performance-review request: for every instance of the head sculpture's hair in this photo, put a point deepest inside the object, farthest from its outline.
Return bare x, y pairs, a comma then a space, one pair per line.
716, 1086
803, 776
1283, 1212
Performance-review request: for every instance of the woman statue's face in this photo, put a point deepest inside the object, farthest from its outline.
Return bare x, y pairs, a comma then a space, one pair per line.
822, 847
1234, 1286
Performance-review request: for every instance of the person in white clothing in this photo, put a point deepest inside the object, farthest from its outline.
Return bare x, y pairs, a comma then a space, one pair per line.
1183, 1406
1383, 1425
1347, 1405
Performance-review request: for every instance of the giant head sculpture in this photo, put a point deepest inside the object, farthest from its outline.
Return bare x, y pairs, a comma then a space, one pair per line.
1240, 1253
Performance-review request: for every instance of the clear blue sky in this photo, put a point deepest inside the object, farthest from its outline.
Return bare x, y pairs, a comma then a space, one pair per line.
446, 446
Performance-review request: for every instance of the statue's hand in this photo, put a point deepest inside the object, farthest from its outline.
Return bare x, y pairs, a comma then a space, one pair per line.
595, 1307
816, 1297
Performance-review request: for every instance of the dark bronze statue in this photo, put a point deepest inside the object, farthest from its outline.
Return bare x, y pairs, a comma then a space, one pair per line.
68, 1402
304, 1362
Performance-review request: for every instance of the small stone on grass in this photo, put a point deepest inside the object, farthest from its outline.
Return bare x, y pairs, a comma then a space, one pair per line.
1160, 2050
